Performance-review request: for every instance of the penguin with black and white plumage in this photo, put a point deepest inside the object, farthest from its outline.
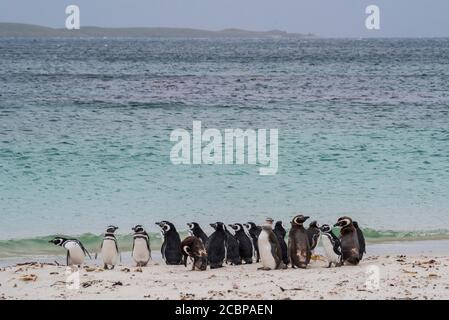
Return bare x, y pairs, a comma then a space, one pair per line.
141, 251
350, 248
280, 233
313, 233
110, 253
245, 243
270, 250
254, 232
171, 247
76, 252
298, 243
361, 238
331, 245
216, 246
195, 230
232, 249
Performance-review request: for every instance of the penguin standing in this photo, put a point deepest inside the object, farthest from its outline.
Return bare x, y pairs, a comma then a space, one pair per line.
195, 230
109, 248
349, 239
331, 245
313, 233
269, 248
254, 232
141, 251
245, 243
193, 247
232, 249
76, 253
280, 233
298, 243
216, 246
361, 238
171, 247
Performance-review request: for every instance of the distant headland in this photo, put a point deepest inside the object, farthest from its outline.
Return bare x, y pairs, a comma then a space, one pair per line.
34, 31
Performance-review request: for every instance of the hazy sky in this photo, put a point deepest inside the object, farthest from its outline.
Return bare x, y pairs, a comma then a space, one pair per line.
334, 18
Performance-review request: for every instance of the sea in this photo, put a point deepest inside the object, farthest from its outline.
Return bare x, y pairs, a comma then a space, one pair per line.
85, 130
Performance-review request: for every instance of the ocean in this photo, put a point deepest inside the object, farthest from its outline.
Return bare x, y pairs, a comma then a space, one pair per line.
85, 134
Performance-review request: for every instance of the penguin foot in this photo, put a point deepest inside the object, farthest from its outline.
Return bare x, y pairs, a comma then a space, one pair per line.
263, 268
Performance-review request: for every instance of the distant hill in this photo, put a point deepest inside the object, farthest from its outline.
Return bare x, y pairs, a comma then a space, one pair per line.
34, 31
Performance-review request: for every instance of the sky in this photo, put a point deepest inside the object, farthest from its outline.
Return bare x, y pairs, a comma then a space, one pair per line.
327, 18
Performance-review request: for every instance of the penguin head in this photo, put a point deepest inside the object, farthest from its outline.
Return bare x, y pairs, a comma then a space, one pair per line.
138, 228
111, 229
57, 241
192, 225
236, 227
278, 224
325, 228
269, 221
314, 225
165, 226
249, 225
217, 226
343, 222
299, 220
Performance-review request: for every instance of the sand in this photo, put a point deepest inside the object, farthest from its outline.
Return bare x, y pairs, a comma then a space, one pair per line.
415, 276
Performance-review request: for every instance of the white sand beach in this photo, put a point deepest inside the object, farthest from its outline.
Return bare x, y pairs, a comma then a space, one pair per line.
400, 276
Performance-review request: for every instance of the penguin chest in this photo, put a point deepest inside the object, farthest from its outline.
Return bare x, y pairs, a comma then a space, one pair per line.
76, 255
266, 255
109, 252
140, 252
328, 247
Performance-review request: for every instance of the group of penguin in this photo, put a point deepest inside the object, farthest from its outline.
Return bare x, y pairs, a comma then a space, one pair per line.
265, 242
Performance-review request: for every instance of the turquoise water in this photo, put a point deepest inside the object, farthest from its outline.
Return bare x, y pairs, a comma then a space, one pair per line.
85, 125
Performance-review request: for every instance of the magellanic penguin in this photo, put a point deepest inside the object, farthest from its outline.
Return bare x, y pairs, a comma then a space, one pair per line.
216, 246
313, 233
141, 251
245, 243
193, 247
280, 233
361, 237
331, 245
195, 230
232, 249
76, 253
254, 232
298, 243
269, 248
109, 248
171, 247
350, 247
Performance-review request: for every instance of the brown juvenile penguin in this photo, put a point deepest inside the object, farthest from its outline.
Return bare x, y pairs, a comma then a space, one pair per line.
298, 243
350, 247
193, 247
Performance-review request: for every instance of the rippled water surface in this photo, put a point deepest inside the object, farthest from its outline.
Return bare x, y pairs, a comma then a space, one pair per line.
85, 125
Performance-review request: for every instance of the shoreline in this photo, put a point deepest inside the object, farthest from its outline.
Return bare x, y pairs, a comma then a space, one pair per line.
398, 247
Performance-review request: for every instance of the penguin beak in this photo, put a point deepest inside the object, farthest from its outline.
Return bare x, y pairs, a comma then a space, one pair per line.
337, 224
306, 217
